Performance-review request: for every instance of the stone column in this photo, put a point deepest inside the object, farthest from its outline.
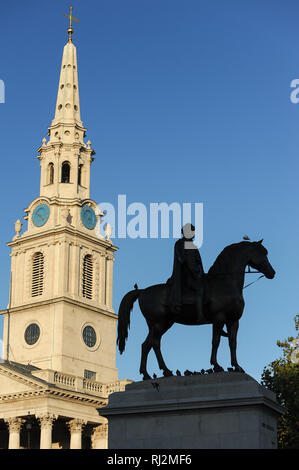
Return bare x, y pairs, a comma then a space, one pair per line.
102, 280
109, 280
46, 423
14, 425
75, 427
99, 437
74, 269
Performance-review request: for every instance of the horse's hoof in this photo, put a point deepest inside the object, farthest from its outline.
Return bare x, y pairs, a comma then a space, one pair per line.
239, 369
167, 373
146, 377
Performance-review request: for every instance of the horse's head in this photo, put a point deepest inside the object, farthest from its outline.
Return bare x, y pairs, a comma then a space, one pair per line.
259, 259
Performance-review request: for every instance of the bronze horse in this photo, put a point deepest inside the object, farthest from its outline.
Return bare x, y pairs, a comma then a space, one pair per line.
223, 304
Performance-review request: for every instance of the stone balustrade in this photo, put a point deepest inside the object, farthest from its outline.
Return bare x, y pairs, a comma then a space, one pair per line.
94, 387
65, 380
80, 384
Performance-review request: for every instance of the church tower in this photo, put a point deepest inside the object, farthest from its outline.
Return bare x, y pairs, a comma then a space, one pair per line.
60, 314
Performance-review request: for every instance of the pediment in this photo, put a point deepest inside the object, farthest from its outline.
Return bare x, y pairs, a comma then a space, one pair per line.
12, 382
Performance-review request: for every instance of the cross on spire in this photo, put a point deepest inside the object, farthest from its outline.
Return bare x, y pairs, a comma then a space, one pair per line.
71, 18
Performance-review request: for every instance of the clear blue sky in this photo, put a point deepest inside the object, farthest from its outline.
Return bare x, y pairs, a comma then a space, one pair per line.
185, 101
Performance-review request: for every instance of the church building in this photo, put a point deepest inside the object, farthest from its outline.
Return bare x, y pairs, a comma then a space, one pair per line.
59, 337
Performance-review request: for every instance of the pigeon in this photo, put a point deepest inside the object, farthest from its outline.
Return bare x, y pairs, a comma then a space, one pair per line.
187, 372
178, 373
246, 237
156, 386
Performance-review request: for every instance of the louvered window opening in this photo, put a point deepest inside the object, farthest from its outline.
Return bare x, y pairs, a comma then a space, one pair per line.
51, 173
37, 275
65, 172
87, 277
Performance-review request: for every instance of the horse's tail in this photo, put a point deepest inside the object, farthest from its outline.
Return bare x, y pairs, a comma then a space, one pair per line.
124, 312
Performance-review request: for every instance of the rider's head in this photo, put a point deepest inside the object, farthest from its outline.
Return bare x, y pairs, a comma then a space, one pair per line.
188, 231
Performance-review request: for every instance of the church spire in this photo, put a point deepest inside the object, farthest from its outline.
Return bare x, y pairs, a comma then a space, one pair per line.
65, 158
67, 109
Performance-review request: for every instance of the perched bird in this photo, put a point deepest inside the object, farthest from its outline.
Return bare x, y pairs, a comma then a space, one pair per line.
202, 371
156, 386
187, 372
178, 373
246, 237
154, 376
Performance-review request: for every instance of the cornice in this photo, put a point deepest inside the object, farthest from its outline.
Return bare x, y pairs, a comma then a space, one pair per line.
60, 145
54, 393
60, 201
40, 388
58, 300
64, 230
17, 376
74, 124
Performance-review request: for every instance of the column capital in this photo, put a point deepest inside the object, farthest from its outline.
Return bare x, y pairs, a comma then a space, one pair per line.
75, 425
14, 424
101, 431
46, 420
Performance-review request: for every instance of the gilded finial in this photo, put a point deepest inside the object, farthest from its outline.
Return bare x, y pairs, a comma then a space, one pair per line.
71, 18
18, 227
108, 231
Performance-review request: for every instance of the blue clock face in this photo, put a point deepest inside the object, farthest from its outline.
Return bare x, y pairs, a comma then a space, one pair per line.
88, 217
40, 215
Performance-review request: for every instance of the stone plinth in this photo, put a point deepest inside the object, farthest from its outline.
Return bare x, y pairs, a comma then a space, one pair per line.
227, 410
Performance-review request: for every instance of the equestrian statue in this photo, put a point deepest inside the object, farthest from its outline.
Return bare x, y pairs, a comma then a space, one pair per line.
191, 297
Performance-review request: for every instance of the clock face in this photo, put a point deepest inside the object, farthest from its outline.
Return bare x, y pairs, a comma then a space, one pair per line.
40, 215
88, 217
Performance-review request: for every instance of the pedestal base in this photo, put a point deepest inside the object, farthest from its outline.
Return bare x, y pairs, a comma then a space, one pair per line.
227, 410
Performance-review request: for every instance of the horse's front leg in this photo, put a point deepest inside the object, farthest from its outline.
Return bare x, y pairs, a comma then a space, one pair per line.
158, 332
145, 349
217, 329
232, 329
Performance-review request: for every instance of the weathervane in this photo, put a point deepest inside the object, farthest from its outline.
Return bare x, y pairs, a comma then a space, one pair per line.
71, 18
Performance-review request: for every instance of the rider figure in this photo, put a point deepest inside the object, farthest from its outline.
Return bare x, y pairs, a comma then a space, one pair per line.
187, 273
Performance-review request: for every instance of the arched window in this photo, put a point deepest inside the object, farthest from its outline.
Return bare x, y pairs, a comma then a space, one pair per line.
80, 174
65, 172
37, 285
87, 278
51, 173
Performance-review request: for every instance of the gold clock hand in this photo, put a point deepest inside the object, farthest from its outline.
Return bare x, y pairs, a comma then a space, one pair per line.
36, 213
